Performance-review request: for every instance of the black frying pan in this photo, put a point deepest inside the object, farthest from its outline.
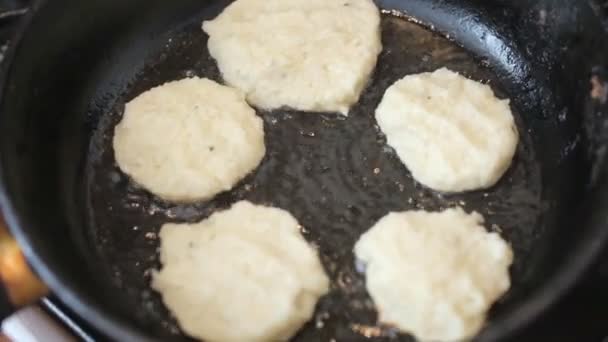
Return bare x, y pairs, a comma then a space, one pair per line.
89, 232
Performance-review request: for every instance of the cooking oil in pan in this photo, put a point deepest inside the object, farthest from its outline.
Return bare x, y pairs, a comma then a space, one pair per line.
335, 174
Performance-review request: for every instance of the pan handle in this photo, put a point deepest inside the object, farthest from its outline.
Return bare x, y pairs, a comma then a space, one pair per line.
18, 284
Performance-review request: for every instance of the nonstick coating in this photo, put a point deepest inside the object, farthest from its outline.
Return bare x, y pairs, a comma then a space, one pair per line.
336, 175
91, 233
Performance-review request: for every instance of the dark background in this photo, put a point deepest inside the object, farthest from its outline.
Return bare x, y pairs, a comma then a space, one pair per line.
579, 317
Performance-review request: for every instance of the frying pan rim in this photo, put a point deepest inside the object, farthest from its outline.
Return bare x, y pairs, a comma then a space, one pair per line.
77, 301
586, 250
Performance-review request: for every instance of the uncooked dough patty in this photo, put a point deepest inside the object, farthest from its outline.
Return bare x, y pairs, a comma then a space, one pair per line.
189, 140
434, 275
244, 274
310, 55
452, 133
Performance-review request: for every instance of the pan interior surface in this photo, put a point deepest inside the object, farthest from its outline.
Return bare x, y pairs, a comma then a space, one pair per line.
335, 174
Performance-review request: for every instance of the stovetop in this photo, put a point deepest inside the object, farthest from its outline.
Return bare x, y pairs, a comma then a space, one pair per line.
579, 317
